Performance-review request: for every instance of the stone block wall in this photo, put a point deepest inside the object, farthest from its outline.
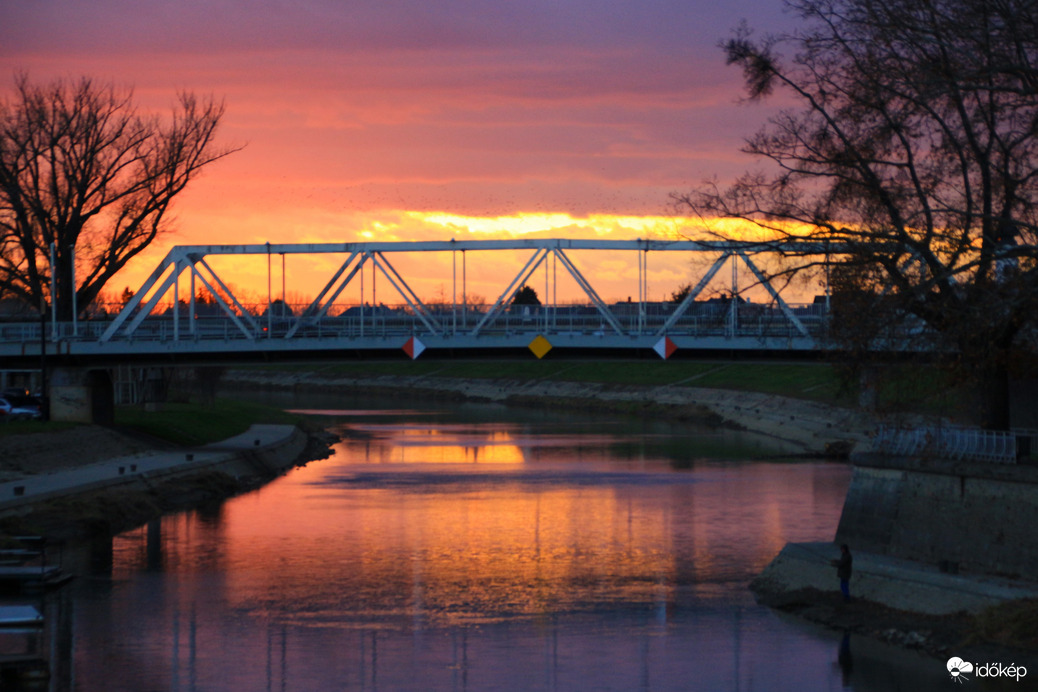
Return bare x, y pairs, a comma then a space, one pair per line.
970, 517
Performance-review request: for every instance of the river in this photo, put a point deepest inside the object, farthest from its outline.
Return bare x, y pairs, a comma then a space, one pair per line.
472, 547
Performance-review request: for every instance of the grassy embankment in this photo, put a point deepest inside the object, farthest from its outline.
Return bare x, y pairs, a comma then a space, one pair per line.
194, 424
902, 388
191, 424
179, 423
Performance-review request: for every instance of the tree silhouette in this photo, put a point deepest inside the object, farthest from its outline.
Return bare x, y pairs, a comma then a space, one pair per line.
680, 294
526, 296
82, 171
913, 148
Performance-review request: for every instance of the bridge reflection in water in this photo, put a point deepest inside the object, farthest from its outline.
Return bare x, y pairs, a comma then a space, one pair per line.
712, 315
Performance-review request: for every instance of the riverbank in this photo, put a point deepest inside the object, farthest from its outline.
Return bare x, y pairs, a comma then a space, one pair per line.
905, 603
88, 480
935, 627
813, 428
51, 450
1003, 633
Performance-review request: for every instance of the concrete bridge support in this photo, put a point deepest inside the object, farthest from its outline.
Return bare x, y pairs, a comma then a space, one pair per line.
81, 395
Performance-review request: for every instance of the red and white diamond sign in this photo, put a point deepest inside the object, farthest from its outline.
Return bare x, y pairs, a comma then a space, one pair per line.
665, 347
414, 347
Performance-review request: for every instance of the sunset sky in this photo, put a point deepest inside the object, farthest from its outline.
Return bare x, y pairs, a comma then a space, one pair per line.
411, 120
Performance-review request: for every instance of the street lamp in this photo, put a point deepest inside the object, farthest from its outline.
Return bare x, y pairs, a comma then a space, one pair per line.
44, 399
75, 306
53, 291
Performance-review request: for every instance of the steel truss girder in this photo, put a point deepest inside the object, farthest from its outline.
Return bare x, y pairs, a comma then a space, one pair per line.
179, 260
588, 290
192, 258
693, 294
315, 310
783, 306
423, 313
223, 303
518, 281
787, 246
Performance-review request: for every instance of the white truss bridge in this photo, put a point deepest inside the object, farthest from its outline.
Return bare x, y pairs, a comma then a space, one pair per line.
149, 327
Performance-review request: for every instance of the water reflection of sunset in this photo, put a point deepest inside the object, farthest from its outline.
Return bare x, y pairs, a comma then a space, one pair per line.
439, 443
384, 546
444, 445
403, 526
459, 553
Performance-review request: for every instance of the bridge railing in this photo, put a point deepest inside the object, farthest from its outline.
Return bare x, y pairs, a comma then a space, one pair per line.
702, 319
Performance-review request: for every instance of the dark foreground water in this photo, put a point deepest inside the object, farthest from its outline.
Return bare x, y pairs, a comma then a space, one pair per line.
475, 549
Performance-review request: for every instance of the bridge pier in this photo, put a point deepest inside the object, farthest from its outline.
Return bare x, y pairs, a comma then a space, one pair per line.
81, 395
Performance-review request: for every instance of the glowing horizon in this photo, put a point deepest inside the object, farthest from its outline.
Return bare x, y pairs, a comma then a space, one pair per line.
439, 277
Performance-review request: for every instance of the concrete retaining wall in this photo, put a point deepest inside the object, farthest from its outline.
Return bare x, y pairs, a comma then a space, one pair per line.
977, 518
928, 536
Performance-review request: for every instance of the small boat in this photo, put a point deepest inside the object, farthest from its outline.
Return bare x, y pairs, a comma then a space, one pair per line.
24, 565
20, 616
23, 649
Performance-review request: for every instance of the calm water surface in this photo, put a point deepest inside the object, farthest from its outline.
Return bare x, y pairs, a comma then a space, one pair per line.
475, 549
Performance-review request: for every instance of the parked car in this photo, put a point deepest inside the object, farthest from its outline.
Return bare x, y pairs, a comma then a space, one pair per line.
19, 408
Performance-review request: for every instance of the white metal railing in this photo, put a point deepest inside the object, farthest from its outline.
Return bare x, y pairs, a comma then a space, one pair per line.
346, 321
947, 442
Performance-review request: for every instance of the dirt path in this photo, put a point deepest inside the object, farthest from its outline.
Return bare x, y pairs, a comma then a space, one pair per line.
42, 452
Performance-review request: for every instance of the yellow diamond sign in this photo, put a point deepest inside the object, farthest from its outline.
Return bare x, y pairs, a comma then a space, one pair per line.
540, 346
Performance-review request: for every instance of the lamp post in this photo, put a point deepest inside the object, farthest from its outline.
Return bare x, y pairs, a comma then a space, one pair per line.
75, 306
44, 400
53, 292
270, 323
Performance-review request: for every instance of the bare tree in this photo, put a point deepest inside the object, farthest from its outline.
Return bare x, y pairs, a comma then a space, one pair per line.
82, 170
912, 147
